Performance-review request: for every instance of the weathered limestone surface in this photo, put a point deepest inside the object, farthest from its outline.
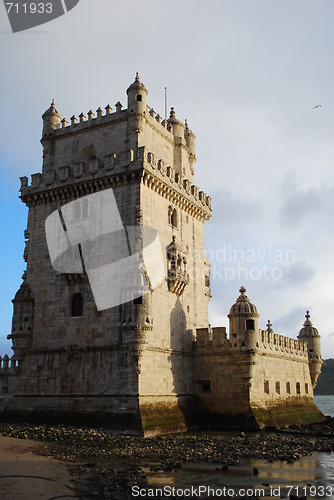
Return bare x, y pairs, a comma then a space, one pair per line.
151, 364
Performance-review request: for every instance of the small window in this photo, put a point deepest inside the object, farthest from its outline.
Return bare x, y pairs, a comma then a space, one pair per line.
206, 385
234, 335
298, 387
173, 218
77, 305
207, 281
288, 388
84, 208
266, 386
139, 97
250, 325
188, 309
278, 388
306, 388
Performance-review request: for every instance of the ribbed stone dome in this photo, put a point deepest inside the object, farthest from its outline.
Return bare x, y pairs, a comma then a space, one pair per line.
243, 304
51, 111
308, 329
137, 85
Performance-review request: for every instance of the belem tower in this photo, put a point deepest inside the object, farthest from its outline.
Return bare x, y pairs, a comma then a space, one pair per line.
150, 362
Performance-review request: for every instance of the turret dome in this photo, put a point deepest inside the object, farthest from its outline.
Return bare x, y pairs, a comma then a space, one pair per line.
51, 119
308, 329
243, 305
137, 85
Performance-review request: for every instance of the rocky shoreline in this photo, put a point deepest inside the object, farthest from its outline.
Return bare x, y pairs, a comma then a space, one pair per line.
105, 465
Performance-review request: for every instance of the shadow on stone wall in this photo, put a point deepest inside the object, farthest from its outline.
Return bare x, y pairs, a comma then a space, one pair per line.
182, 366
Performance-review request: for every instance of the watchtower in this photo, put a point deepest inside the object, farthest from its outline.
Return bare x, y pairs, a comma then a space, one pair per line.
133, 361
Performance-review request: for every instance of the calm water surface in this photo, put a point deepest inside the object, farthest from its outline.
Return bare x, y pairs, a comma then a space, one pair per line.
312, 474
325, 404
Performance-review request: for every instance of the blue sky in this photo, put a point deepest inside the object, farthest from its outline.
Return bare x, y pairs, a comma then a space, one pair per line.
246, 75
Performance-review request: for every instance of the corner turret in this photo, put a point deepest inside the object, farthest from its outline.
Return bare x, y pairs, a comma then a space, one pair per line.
310, 335
137, 96
51, 119
177, 126
244, 322
23, 320
190, 138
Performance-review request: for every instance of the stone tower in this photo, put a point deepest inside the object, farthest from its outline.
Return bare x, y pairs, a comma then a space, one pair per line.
310, 335
131, 363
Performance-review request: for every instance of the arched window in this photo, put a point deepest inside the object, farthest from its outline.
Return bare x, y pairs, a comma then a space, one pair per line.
77, 305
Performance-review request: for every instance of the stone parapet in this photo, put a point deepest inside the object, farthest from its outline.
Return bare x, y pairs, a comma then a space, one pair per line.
270, 342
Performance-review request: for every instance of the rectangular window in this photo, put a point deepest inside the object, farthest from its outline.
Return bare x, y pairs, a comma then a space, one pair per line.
266, 386
306, 388
298, 387
288, 388
205, 385
207, 281
250, 324
278, 387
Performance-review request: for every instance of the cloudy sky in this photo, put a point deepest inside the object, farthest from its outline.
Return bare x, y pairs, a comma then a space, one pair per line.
246, 74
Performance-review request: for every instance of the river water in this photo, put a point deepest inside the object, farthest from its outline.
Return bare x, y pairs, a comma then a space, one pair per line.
311, 477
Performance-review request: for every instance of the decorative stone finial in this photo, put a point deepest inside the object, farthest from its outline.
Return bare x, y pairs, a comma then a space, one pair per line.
269, 325
53, 105
307, 322
172, 113
137, 79
243, 297
186, 124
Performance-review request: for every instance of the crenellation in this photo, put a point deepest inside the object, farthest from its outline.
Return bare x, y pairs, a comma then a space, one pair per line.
118, 107
8, 365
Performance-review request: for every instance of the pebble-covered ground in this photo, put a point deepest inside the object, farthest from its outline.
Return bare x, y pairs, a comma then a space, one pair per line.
105, 465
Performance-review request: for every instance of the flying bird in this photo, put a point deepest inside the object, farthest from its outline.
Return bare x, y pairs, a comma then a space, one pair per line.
317, 106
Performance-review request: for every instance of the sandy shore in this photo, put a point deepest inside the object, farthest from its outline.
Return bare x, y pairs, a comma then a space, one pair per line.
28, 473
